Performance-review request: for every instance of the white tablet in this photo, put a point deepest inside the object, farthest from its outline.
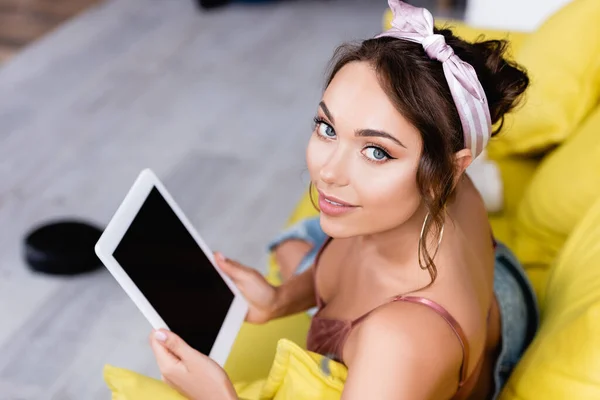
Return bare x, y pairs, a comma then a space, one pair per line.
165, 267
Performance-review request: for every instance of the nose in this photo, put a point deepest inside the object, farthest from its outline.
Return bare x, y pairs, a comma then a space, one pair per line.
334, 171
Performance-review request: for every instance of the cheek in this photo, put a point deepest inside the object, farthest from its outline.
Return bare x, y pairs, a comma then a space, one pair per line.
390, 195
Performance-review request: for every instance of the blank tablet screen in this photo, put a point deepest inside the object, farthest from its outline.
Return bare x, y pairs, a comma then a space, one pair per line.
170, 269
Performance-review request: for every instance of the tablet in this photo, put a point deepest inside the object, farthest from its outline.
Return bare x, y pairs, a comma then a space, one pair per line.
165, 267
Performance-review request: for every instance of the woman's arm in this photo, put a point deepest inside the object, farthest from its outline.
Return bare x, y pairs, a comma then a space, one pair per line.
402, 351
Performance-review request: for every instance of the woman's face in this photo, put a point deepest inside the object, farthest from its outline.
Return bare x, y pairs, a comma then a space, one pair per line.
362, 157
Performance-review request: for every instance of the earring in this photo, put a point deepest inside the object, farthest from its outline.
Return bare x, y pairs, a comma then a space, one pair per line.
421, 241
312, 197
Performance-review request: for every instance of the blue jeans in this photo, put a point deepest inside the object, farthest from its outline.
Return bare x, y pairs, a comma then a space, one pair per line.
519, 312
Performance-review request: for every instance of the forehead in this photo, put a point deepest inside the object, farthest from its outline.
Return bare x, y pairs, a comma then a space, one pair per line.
357, 101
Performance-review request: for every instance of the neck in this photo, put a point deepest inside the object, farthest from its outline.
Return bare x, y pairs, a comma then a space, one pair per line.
395, 247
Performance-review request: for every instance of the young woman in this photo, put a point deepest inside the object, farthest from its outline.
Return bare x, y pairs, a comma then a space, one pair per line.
414, 295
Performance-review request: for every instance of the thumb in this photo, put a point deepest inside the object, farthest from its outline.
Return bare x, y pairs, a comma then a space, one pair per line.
236, 271
176, 345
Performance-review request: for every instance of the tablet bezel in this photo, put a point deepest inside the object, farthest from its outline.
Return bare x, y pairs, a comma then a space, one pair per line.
112, 236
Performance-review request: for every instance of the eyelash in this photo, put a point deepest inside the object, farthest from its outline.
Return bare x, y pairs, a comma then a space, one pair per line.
380, 148
318, 120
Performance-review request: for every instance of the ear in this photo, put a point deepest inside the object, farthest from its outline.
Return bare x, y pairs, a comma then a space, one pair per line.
462, 159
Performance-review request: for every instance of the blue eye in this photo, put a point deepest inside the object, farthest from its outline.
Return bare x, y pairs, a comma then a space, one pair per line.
325, 130
376, 154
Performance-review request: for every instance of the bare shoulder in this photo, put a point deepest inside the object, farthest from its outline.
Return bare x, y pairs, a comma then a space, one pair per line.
408, 349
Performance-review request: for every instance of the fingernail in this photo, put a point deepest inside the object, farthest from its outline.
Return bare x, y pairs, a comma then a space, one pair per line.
220, 257
160, 336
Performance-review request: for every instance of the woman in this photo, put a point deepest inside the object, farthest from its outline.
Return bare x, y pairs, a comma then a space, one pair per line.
412, 291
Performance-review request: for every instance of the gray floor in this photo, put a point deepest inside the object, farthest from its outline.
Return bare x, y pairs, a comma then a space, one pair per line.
219, 105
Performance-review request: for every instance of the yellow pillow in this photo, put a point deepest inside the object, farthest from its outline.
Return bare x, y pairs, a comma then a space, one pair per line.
563, 60
296, 374
255, 346
516, 174
574, 282
129, 385
302, 375
563, 361
565, 185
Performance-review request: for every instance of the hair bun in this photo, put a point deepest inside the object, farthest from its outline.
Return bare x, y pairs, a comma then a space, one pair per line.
503, 81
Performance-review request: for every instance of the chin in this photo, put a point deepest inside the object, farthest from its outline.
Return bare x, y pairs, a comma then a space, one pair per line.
338, 227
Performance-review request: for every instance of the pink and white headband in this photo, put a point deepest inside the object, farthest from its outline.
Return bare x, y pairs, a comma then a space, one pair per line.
416, 24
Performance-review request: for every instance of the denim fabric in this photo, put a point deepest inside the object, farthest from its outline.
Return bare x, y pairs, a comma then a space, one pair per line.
310, 231
519, 313
516, 299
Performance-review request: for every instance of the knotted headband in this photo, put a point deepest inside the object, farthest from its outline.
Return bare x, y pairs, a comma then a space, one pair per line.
416, 24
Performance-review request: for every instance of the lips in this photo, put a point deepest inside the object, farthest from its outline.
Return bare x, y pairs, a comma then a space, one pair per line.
333, 206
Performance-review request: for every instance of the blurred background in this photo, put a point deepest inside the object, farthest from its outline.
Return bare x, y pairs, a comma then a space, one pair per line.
218, 102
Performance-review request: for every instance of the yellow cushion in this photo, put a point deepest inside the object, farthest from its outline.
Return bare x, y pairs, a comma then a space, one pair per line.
574, 281
563, 60
538, 275
129, 385
516, 174
259, 342
250, 360
298, 374
564, 187
563, 362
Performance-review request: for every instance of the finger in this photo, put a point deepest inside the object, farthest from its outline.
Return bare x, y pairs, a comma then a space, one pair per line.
165, 359
233, 269
173, 343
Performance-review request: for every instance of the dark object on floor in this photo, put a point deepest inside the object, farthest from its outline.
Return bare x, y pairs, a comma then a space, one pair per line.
208, 4
211, 4
62, 248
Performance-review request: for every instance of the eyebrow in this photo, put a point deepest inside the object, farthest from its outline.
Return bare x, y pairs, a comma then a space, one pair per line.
327, 112
362, 132
376, 133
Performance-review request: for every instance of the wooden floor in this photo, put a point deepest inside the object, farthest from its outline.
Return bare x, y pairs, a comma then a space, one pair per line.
24, 21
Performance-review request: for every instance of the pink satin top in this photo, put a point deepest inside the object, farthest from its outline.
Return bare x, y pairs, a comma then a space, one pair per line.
327, 336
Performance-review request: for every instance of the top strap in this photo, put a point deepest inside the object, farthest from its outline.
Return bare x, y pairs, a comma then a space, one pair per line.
441, 311
454, 325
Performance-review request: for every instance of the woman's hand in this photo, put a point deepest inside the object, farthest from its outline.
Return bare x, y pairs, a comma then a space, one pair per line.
188, 371
260, 294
